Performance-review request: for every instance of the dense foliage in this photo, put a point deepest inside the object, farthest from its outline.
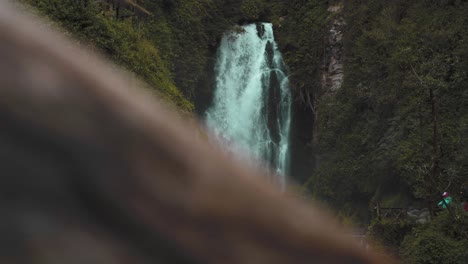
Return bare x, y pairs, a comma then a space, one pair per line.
122, 40
440, 241
170, 44
390, 233
301, 33
394, 134
395, 131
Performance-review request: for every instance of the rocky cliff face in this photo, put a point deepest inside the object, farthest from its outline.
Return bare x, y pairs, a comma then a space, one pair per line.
332, 70
331, 73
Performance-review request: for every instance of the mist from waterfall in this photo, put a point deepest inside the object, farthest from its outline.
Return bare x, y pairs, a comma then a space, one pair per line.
251, 109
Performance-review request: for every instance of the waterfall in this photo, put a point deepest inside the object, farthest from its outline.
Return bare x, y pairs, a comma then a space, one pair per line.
252, 102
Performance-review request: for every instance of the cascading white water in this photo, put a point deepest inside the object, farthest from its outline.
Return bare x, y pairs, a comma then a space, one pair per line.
252, 101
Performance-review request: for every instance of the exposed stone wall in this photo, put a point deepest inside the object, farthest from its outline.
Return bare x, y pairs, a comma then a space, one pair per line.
332, 73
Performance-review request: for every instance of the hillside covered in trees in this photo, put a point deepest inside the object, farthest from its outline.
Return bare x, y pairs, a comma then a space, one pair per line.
393, 134
169, 44
400, 119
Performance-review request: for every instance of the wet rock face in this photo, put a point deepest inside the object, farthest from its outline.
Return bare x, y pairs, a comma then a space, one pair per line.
332, 74
260, 29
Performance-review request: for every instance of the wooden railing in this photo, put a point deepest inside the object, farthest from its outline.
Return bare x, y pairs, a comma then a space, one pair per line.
400, 213
393, 213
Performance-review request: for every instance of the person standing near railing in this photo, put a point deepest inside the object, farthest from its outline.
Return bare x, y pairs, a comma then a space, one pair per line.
446, 200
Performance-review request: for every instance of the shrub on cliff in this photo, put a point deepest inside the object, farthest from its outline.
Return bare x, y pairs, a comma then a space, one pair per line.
390, 233
444, 240
429, 246
118, 39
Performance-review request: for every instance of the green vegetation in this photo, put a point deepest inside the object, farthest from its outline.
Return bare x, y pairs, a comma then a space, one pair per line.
394, 134
397, 125
301, 34
169, 44
390, 233
118, 38
440, 241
